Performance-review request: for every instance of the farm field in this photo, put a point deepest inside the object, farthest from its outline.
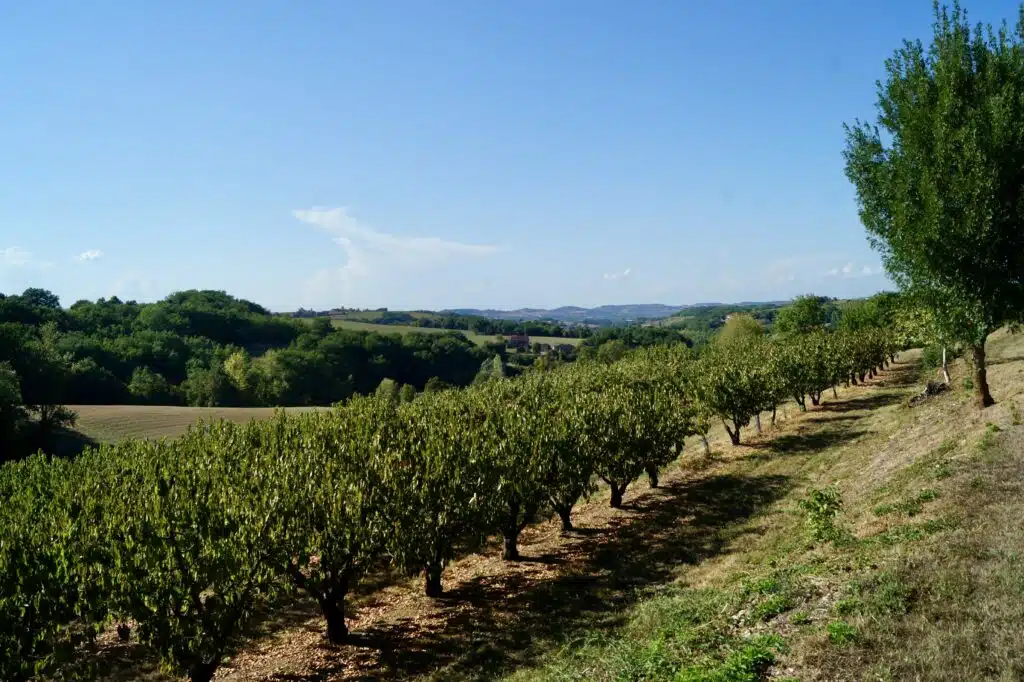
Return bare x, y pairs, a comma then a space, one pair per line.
111, 423
478, 339
917, 576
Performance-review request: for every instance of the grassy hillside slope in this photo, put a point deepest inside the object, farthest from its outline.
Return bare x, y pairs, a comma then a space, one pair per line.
718, 574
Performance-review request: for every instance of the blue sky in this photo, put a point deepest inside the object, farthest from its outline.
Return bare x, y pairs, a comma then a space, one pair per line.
440, 154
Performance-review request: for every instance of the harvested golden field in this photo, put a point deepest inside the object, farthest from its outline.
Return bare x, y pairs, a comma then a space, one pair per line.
110, 423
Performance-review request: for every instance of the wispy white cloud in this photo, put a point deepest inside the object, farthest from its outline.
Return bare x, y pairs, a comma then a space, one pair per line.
618, 275
14, 255
372, 254
849, 271
91, 254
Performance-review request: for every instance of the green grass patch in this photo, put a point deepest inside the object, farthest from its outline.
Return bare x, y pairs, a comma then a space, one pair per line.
841, 633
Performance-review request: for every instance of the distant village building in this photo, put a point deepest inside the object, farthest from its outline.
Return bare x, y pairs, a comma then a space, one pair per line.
519, 341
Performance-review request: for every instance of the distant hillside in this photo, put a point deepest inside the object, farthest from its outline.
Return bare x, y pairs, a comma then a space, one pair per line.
575, 314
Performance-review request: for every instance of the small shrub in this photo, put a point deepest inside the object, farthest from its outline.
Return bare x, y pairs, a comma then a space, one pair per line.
841, 633
823, 507
1015, 414
968, 384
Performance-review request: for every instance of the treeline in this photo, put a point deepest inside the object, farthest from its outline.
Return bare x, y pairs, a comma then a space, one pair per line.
474, 323
200, 348
185, 539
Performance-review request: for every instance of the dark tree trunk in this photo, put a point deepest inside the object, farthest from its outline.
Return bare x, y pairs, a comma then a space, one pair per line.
816, 399
203, 672
853, 378
981, 376
565, 514
334, 614
617, 492
124, 632
510, 550
871, 373
734, 436
773, 414
757, 423
861, 378
801, 402
432, 580
652, 475
707, 445
510, 532
835, 394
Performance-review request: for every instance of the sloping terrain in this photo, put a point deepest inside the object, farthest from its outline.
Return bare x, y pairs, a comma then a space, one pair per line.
906, 565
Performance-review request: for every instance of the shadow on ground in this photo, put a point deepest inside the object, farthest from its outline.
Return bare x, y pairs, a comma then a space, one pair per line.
864, 403
810, 441
489, 623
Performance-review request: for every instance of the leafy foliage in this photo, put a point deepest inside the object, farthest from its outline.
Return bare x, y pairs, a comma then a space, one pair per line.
940, 185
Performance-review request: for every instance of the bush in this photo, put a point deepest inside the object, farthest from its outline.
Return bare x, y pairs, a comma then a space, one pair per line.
823, 507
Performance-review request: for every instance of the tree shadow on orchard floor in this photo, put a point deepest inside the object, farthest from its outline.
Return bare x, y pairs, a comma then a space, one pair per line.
863, 403
489, 624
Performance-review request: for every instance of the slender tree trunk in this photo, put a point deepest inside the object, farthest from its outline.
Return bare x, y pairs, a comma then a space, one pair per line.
617, 493
981, 376
816, 398
510, 549
652, 475
510, 533
757, 422
334, 614
862, 378
945, 367
835, 393
774, 408
853, 378
432, 580
871, 373
801, 402
124, 632
565, 514
707, 445
734, 436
